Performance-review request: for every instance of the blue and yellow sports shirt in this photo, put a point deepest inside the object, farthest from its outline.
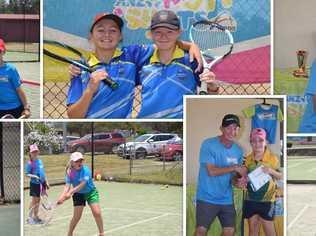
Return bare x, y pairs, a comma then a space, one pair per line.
108, 103
163, 86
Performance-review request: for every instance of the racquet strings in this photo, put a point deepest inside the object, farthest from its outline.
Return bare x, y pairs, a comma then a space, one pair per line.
213, 40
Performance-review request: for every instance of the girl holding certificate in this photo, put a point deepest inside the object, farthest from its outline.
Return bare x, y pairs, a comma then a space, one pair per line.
260, 203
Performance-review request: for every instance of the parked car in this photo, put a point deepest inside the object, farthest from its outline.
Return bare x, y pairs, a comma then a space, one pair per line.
145, 145
103, 142
171, 151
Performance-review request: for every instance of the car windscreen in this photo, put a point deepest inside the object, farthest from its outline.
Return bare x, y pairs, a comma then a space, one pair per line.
142, 138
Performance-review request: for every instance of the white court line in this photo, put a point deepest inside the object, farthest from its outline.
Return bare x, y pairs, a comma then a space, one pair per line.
295, 165
117, 209
298, 216
136, 223
311, 170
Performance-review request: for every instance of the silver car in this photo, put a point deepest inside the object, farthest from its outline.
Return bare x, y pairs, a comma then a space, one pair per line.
145, 145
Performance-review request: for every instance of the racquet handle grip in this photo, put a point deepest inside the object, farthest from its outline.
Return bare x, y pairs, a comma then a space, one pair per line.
113, 85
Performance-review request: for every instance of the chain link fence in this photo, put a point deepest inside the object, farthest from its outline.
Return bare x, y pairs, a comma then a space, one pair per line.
55, 95
10, 161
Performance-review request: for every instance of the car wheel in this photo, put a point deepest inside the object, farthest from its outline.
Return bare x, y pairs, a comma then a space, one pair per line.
141, 153
177, 156
80, 149
115, 149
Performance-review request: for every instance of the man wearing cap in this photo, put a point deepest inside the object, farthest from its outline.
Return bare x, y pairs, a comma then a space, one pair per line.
220, 159
167, 73
259, 204
13, 99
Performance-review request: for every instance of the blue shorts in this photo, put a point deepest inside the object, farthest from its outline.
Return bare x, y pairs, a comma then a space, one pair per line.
16, 112
264, 209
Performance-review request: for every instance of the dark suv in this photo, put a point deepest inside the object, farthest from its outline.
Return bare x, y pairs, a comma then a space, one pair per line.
103, 142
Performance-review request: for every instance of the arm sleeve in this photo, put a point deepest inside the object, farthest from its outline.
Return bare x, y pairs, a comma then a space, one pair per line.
280, 115
67, 179
194, 65
15, 78
75, 90
249, 111
206, 154
28, 168
85, 175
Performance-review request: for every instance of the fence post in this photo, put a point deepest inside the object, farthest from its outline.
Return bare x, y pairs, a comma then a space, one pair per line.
1, 162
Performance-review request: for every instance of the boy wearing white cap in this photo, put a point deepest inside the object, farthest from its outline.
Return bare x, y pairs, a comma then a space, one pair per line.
80, 186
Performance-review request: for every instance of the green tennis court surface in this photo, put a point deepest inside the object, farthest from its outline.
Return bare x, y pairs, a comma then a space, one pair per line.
301, 168
301, 210
10, 219
127, 209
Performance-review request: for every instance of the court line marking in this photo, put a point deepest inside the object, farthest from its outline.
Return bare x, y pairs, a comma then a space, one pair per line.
295, 165
311, 170
135, 223
116, 209
297, 216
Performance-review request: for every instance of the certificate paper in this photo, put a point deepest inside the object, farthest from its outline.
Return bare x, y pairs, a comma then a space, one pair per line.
258, 178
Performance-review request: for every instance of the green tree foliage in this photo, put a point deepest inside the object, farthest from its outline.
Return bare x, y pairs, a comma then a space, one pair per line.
20, 6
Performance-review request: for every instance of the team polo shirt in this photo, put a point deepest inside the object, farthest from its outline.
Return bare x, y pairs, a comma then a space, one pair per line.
268, 191
217, 189
163, 85
265, 117
108, 103
9, 82
36, 167
75, 177
308, 121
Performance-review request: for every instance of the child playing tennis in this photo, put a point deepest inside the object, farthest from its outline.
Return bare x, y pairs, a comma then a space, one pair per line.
38, 183
89, 98
13, 99
80, 186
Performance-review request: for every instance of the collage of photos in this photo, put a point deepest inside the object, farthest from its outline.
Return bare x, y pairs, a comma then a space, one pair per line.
153, 118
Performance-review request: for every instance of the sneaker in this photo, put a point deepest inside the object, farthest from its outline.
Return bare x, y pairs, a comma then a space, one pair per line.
38, 221
30, 221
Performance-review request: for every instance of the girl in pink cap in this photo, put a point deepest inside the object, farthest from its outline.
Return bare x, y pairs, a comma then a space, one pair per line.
13, 99
38, 183
259, 203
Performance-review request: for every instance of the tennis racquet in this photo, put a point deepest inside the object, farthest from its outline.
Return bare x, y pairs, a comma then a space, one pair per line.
62, 52
214, 41
42, 213
9, 116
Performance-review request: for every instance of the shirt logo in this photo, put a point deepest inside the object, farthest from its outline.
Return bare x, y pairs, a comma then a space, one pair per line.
4, 79
266, 116
232, 160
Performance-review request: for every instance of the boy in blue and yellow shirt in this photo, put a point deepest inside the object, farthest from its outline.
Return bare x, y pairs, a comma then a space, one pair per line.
167, 73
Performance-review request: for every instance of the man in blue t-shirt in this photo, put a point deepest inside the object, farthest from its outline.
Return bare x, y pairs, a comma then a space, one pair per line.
220, 159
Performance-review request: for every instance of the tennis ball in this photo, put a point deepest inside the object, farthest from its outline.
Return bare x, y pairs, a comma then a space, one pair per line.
98, 177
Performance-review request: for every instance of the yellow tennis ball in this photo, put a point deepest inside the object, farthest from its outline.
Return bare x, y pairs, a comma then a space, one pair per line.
98, 177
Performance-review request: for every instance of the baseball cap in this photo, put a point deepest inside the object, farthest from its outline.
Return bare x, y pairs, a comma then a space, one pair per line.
258, 133
106, 15
2, 45
75, 156
230, 119
165, 18
34, 148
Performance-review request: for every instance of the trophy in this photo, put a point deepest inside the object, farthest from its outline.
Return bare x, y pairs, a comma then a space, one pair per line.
301, 61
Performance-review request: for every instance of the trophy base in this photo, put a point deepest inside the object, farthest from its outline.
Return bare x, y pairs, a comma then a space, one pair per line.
300, 74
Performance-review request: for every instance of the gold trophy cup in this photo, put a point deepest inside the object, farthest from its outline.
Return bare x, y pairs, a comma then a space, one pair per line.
301, 61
